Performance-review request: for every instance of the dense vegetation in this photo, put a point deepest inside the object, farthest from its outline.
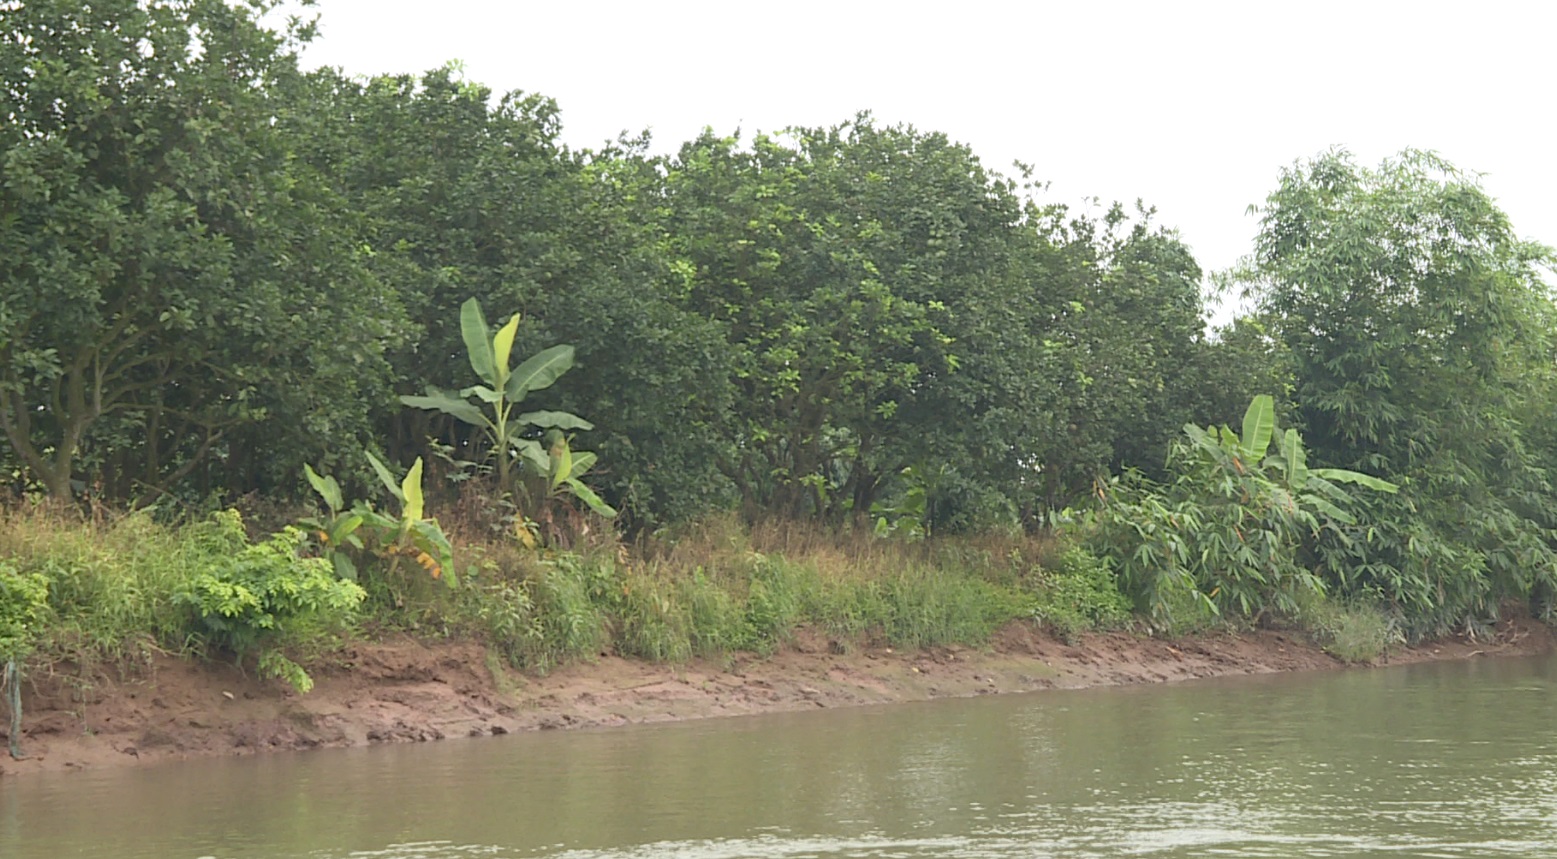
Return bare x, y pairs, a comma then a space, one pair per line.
226, 281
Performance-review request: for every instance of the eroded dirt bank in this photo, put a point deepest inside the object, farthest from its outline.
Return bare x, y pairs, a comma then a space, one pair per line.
409, 691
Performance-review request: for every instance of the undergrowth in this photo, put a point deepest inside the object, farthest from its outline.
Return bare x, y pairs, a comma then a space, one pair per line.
119, 588
1352, 631
719, 587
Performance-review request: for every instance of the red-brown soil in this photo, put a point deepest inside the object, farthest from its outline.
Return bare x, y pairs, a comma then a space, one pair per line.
406, 690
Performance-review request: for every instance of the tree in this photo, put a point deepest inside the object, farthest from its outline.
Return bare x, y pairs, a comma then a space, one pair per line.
904, 321
164, 260
1128, 348
1418, 326
463, 196
833, 260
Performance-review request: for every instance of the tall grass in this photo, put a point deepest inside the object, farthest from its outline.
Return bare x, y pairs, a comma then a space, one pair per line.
718, 587
120, 587
1350, 630
112, 580
713, 589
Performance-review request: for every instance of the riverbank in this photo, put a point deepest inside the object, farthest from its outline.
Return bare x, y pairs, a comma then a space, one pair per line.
410, 691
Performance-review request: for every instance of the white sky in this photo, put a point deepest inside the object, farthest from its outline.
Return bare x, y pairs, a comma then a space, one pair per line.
1193, 107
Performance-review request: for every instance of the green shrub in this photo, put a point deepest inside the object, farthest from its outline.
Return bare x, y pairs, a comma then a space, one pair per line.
1231, 528
24, 600
652, 621
716, 619
928, 607
1080, 596
262, 597
110, 582
775, 601
849, 610
502, 614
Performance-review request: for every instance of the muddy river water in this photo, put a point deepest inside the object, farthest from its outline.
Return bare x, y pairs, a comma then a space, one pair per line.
1446, 760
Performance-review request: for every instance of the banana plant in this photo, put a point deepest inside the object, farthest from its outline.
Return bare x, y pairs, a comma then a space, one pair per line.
411, 535
1230, 529
1316, 487
559, 468
338, 530
1240, 453
502, 389
1247, 455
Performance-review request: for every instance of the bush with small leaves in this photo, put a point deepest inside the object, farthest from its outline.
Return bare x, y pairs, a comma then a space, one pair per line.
263, 596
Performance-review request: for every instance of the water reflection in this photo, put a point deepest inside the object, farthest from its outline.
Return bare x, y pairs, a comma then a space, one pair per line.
1447, 760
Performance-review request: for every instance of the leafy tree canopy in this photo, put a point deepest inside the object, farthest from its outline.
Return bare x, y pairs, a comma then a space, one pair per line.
171, 276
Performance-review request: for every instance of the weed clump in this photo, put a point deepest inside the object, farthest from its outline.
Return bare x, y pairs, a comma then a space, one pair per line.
1081, 595
254, 599
1350, 631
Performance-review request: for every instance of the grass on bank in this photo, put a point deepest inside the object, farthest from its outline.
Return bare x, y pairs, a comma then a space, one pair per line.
719, 587
116, 589
111, 589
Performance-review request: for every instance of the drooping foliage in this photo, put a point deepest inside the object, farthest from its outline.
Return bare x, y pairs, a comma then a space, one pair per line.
1234, 530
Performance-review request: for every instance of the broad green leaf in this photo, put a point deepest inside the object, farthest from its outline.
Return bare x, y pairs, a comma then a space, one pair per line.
559, 420
1295, 459
583, 461
535, 455
561, 464
375, 519
1318, 483
1231, 444
344, 568
502, 347
539, 371
344, 526
385, 476
428, 536
473, 329
1259, 422
1341, 475
411, 492
327, 488
484, 393
589, 497
440, 401
1203, 439
1323, 505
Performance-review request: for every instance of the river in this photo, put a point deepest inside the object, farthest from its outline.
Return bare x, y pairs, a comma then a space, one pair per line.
1443, 760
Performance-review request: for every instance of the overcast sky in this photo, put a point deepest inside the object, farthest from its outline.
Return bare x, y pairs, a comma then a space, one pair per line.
1192, 107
